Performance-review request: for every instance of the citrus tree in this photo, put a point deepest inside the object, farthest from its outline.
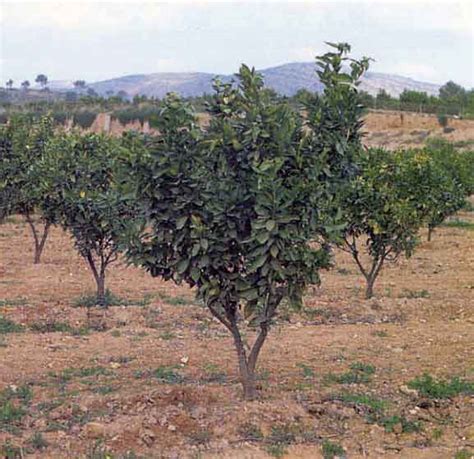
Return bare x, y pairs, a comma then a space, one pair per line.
238, 211
381, 209
23, 142
79, 193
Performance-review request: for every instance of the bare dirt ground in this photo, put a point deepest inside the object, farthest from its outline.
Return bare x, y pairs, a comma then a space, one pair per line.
160, 381
393, 129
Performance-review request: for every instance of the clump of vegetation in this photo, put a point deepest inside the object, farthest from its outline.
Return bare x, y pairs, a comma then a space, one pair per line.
428, 386
8, 326
359, 373
84, 119
13, 406
110, 299
168, 375
332, 450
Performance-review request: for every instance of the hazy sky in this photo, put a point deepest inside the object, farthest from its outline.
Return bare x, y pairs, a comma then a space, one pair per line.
431, 41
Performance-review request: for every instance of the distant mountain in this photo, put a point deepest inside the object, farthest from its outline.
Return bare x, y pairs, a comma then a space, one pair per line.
285, 79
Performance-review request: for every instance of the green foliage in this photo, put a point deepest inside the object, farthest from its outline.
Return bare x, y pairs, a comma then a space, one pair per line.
13, 404
464, 454
84, 119
359, 373
375, 405
8, 326
168, 375
239, 211
38, 442
22, 145
457, 223
332, 450
407, 426
110, 299
428, 386
78, 185
386, 205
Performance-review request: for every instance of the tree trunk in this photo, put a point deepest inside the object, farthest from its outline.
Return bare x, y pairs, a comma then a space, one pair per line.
101, 301
99, 276
40, 240
430, 232
369, 291
247, 374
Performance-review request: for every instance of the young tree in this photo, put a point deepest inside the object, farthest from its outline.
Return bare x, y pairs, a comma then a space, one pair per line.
381, 210
9, 84
42, 80
19, 178
78, 185
239, 211
25, 85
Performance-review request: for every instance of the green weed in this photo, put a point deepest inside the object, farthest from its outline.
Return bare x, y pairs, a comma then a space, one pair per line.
8, 326
331, 450
428, 386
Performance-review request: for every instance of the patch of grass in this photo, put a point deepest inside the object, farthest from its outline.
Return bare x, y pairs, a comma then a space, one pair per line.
343, 271
103, 390
428, 386
13, 302
464, 454
284, 435
312, 313
10, 451
13, 404
167, 335
437, 433
51, 327
68, 374
115, 333
175, 300
331, 450
359, 373
89, 300
200, 437
58, 327
389, 423
168, 375
214, 374
374, 404
276, 450
8, 326
411, 294
250, 432
38, 442
458, 223
307, 371
380, 333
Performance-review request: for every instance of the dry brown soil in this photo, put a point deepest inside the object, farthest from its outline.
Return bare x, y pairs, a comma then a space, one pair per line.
101, 390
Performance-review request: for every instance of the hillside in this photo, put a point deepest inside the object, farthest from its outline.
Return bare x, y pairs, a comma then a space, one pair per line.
285, 79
